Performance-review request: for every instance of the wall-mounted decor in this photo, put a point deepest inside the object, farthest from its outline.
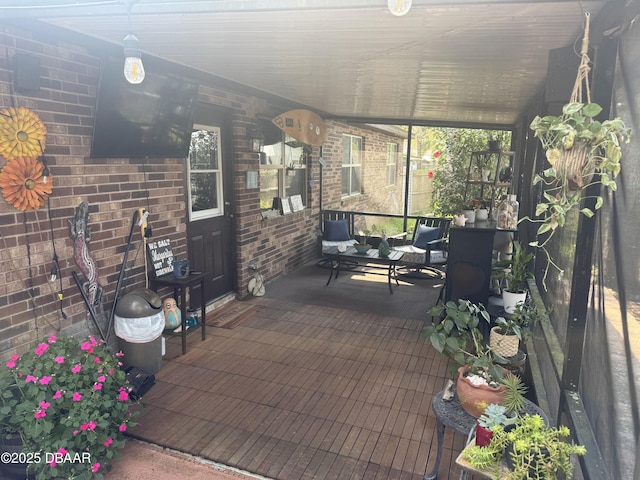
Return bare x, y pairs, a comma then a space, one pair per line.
303, 125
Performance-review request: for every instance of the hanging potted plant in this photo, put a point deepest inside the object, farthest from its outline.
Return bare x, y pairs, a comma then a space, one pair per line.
577, 147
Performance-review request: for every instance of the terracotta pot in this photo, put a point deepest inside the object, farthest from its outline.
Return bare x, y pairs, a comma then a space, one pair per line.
504, 345
475, 398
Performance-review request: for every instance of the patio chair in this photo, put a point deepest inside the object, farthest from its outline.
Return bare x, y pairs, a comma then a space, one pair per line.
336, 228
426, 254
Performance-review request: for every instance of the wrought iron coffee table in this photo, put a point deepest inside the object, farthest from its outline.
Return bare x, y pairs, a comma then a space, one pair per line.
364, 263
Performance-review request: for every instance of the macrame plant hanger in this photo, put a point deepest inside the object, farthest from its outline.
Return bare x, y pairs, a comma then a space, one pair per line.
578, 167
583, 70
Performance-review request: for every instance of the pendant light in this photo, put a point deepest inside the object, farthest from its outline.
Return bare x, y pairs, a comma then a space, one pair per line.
399, 7
133, 68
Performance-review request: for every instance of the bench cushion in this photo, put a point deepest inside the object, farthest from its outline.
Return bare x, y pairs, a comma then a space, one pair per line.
336, 230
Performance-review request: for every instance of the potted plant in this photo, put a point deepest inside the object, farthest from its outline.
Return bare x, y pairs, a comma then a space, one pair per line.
516, 276
469, 212
577, 146
530, 449
68, 403
492, 416
458, 337
363, 245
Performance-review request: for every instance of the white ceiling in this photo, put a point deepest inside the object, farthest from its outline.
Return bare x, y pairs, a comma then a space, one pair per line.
446, 61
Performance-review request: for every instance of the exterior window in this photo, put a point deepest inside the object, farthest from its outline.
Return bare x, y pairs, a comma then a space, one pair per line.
392, 163
204, 168
283, 171
351, 165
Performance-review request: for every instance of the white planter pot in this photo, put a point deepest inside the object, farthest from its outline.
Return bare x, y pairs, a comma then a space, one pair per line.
470, 214
512, 299
482, 214
485, 175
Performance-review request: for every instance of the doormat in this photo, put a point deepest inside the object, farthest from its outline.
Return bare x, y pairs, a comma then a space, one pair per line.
232, 315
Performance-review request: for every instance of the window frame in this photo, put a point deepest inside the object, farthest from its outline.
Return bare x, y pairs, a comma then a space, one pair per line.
351, 165
392, 164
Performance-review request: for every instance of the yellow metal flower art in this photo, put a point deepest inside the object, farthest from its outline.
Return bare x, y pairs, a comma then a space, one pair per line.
22, 133
23, 184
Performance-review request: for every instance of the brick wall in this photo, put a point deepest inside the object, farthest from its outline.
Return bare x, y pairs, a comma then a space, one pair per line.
114, 190
376, 195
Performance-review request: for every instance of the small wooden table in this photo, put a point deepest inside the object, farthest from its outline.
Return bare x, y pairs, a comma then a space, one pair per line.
179, 286
358, 262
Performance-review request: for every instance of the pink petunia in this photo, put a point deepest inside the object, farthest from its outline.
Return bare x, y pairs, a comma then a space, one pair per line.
93, 341
108, 442
57, 395
92, 425
87, 347
45, 380
75, 432
41, 348
62, 451
97, 360
95, 467
59, 360
76, 368
40, 413
12, 363
102, 378
31, 378
123, 396
119, 354
77, 397
52, 338
44, 405
122, 428
97, 386
52, 462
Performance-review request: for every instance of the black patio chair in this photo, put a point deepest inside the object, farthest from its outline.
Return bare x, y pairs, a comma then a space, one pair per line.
425, 255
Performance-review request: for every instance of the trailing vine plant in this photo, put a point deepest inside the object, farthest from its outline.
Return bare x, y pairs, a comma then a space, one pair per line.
581, 151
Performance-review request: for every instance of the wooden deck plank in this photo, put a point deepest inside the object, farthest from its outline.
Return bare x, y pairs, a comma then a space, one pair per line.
307, 391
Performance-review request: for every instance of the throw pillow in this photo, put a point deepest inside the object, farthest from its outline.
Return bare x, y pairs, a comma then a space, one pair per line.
426, 234
336, 230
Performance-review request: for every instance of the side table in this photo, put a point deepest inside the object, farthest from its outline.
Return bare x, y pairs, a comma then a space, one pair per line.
449, 413
180, 286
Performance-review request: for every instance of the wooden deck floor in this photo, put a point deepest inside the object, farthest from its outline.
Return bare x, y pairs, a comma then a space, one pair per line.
310, 386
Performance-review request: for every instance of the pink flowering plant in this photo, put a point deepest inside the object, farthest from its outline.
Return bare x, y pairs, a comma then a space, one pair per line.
69, 402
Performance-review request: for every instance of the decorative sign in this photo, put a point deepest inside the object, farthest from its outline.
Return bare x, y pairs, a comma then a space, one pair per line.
285, 205
303, 125
296, 203
161, 256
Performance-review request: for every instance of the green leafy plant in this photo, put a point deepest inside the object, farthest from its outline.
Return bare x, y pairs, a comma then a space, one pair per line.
534, 450
458, 329
517, 273
69, 403
577, 146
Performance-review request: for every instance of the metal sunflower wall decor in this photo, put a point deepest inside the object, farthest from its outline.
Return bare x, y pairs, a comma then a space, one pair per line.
22, 133
23, 184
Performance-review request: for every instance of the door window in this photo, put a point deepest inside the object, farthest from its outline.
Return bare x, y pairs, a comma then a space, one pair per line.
204, 169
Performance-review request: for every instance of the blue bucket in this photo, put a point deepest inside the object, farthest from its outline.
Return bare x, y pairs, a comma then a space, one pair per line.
180, 269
